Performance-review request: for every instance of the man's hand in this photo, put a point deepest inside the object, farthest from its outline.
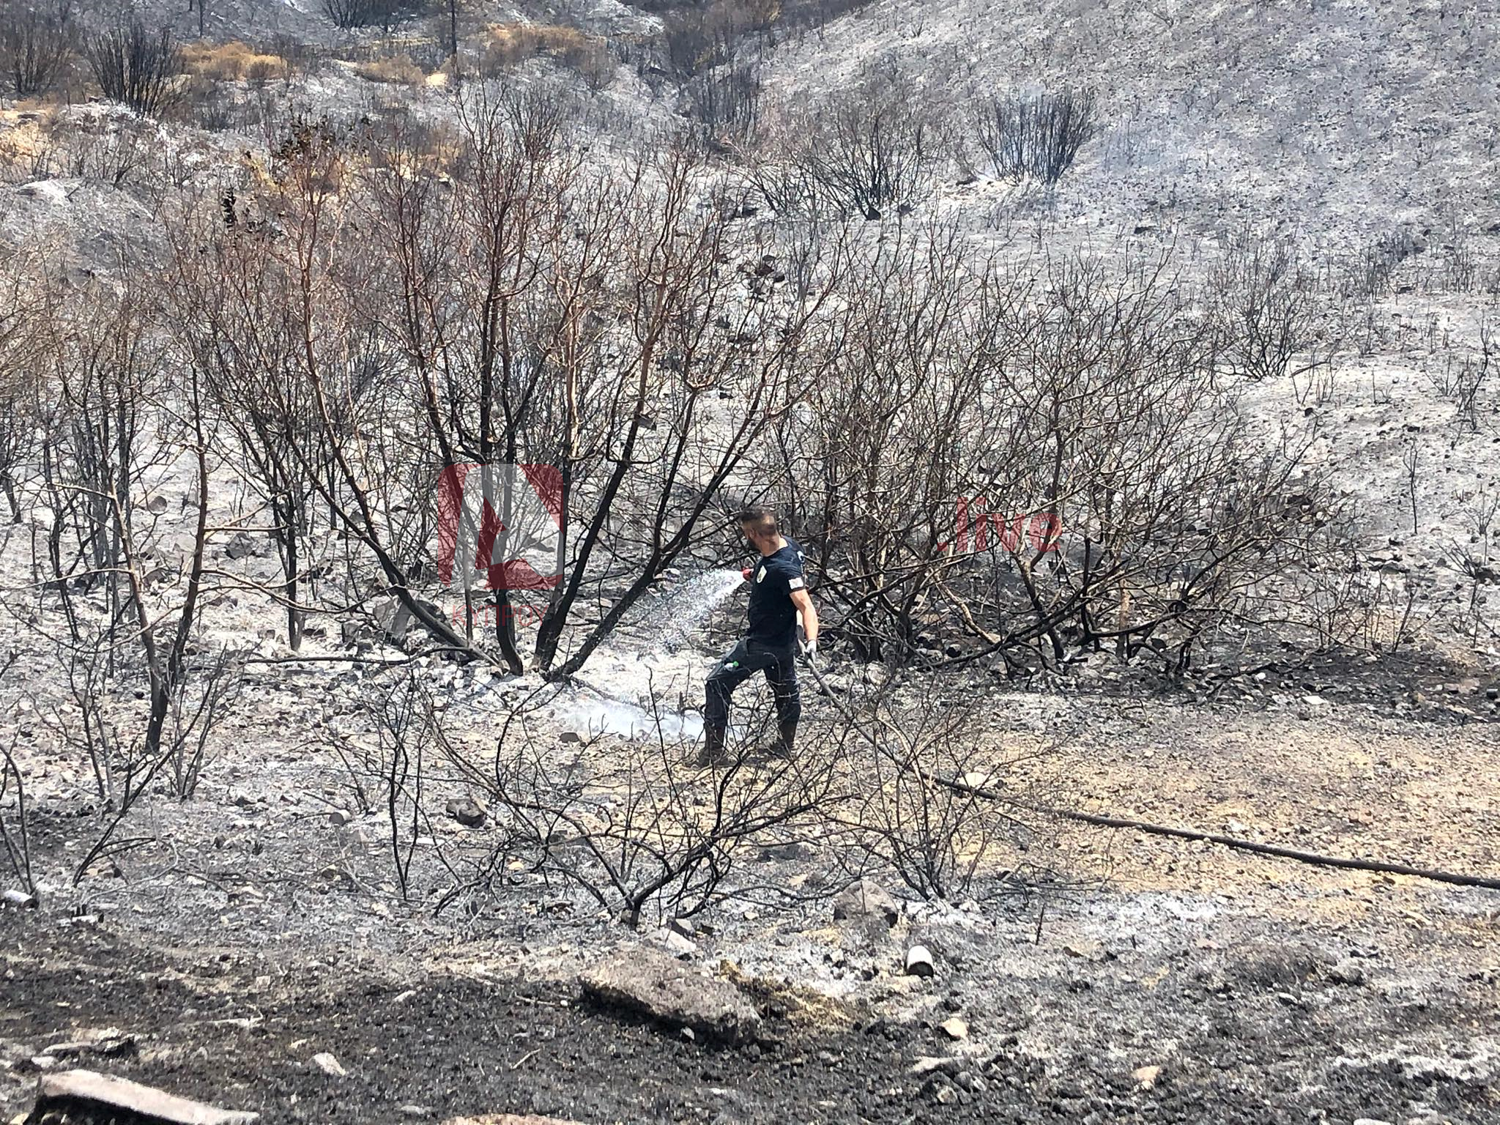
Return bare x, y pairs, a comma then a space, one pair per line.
809, 617
746, 573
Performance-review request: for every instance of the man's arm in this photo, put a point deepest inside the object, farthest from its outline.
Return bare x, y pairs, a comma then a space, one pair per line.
808, 614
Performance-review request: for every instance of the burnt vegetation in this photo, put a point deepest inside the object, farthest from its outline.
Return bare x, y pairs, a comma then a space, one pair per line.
1002, 465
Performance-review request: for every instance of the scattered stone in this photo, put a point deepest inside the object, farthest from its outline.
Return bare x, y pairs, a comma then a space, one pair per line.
1146, 1076
788, 852
935, 1064
1312, 706
19, 899
106, 1041
676, 944
87, 1095
1370, 1121
866, 899
241, 547
683, 926
1347, 971
329, 1065
338, 818
467, 812
415, 1111
659, 986
570, 736
919, 962
508, 1119
955, 1028
946, 1095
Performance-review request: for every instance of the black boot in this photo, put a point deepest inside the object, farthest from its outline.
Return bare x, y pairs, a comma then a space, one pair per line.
785, 742
713, 747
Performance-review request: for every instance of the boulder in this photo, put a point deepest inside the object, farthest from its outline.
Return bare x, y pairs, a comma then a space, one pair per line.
657, 985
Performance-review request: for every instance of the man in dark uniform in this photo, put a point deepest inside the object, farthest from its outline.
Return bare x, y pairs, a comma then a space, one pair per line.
778, 595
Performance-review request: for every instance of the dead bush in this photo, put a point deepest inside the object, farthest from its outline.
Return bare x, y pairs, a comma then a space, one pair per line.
1019, 467
135, 66
726, 100
1262, 306
1038, 136
36, 44
15, 827
862, 151
636, 829
384, 14
1370, 272
925, 807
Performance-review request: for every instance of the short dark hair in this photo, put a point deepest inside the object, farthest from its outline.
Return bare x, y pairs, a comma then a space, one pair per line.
762, 519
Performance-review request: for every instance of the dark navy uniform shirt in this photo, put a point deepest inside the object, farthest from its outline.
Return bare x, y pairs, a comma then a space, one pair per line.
773, 617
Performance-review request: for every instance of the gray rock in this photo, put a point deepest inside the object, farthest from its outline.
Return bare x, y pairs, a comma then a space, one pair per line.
667, 990
102, 1041
676, 944
84, 1092
570, 736
955, 1028
864, 900
1312, 706
786, 852
241, 547
19, 899
935, 1064
467, 812
329, 1065
1348, 971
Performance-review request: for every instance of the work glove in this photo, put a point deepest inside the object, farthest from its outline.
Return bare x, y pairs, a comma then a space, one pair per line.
810, 651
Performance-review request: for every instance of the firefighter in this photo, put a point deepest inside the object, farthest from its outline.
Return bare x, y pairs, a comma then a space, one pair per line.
778, 597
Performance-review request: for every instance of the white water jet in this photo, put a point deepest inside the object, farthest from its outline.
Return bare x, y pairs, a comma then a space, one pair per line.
620, 668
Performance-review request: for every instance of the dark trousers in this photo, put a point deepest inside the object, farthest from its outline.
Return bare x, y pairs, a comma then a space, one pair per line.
746, 658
